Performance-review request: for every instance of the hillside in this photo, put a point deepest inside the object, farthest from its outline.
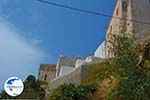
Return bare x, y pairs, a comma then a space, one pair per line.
104, 76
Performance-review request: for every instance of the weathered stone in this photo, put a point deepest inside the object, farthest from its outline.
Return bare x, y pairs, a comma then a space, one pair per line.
130, 16
47, 72
74, 77
64, 61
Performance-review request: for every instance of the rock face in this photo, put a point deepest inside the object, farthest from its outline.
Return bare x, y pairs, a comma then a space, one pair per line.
131, 17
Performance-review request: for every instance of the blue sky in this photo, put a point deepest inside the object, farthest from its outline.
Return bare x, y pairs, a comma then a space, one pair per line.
32, 33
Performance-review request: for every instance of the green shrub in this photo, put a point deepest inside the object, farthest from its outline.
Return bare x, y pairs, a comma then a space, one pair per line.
73, 92
134, 83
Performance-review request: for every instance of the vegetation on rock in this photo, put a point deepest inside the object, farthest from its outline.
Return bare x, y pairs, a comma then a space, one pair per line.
133, 58
73, 92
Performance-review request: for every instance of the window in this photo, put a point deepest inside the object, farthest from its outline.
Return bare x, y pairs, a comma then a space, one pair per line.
124, 6
45, 78
110, 29
117, 11
128, 24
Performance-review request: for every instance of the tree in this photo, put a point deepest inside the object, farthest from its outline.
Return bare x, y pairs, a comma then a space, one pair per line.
31, 80
32, 90
134, 83
36, 85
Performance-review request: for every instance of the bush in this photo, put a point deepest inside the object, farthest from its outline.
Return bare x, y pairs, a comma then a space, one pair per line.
134, 83
73, 92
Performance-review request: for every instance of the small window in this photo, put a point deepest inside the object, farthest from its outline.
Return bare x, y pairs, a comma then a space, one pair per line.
124, 6
45, 78
110, 29
117, 11
39, 73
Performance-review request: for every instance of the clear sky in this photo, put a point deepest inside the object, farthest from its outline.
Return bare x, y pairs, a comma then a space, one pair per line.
32, 33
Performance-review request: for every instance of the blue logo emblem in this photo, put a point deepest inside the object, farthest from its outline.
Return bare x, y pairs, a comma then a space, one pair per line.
14, 86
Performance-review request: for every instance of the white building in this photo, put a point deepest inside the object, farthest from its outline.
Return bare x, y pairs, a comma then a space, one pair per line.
101, 51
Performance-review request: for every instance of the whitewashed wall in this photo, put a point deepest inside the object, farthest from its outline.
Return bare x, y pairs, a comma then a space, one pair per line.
66, 70
79, 62
101, 51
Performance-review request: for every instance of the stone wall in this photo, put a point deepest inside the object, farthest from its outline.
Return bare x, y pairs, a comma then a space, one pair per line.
64, 61
65, 70
47, 72
136, 13
114, 28
141, 12
74, 77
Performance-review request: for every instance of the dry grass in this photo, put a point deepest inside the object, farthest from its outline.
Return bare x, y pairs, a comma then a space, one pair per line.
104, 76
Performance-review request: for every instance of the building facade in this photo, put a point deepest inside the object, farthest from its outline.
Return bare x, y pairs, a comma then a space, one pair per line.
129, 16
47, 72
